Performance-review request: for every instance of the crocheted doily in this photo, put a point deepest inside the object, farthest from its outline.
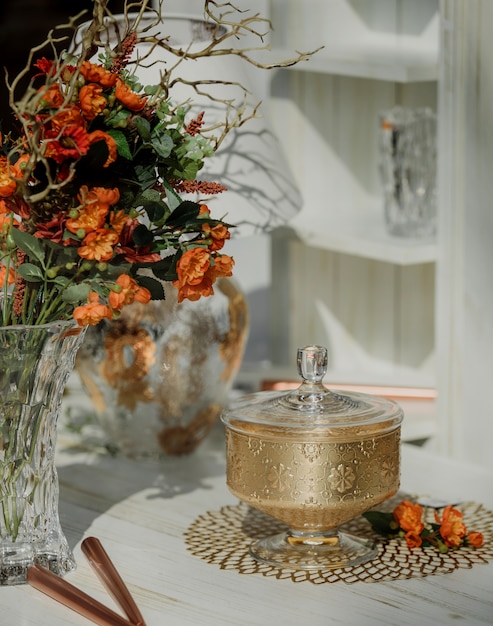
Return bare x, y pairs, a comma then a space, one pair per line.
223, 537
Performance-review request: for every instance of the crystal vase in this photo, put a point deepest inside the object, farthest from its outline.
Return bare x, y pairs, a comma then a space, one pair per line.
35, 362
408, 161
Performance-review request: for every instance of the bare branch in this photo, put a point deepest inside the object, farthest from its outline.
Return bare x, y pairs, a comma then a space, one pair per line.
226, 25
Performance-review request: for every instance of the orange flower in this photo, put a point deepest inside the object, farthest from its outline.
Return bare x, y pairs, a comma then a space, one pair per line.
68, 116
193, 282
128, 98
218, 233
452, 528
97, 74
475, 539
197, 272
223, 266
118, 221
51, 97
93, 312
130, 291
413, 539
92, 101
95, 207
100, 135
194, 292
98, 245
106, 195
408, 516
3, 273
92, 217
192, 266
7, 185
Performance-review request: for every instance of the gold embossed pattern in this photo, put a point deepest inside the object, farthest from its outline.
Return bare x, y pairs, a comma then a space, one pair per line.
222, 538
313, 485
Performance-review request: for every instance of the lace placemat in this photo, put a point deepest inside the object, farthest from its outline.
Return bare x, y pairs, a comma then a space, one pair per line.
223, 537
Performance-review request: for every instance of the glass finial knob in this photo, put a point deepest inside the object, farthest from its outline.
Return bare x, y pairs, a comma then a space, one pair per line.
312, 363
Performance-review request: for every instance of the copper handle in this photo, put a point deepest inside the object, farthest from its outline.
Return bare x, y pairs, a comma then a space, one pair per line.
59, 589
111, 579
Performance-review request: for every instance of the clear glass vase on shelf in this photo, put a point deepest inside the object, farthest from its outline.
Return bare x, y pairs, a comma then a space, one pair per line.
35, 362
407, 160
159, 376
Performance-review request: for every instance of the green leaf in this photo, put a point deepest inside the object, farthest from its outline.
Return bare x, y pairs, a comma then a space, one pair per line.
380, 522
151, 90
155, 210
166, 268
122, 146
184, 213
28, 244
76, 293
118, 118
31, 273
162, 144
154, 286
143, 127
61, 281
142, 236
189, 172
113, 271
146, 176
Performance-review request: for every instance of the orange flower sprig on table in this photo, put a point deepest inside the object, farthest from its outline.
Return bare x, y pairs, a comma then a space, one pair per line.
406, 521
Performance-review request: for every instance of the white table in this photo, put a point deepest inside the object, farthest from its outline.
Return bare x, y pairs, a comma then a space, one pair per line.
140, 511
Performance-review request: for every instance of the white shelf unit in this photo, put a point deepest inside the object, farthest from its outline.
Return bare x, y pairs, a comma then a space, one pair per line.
385, 55
361, 231
393, 61
338, 278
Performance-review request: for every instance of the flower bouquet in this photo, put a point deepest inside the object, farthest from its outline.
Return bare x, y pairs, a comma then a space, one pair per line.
91, 216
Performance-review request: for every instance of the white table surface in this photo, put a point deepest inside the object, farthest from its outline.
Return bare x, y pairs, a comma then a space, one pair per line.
140, 510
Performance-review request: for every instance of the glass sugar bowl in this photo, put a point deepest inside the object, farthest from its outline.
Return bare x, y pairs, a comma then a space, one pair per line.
313, 459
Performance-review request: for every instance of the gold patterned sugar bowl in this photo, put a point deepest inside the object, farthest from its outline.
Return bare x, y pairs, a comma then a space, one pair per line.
313, 458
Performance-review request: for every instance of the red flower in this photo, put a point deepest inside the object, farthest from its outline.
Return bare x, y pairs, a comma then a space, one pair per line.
71, 142
45, 65
53, 230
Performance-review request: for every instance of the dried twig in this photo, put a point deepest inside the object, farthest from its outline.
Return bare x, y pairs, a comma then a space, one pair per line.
106, 33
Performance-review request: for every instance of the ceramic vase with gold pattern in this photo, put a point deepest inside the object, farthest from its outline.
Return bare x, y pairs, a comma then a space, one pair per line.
159, 376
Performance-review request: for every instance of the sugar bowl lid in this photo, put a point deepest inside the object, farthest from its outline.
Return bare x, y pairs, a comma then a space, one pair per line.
312, 408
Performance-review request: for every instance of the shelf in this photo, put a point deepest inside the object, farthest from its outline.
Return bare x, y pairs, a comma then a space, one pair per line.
402, 63
361, 232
